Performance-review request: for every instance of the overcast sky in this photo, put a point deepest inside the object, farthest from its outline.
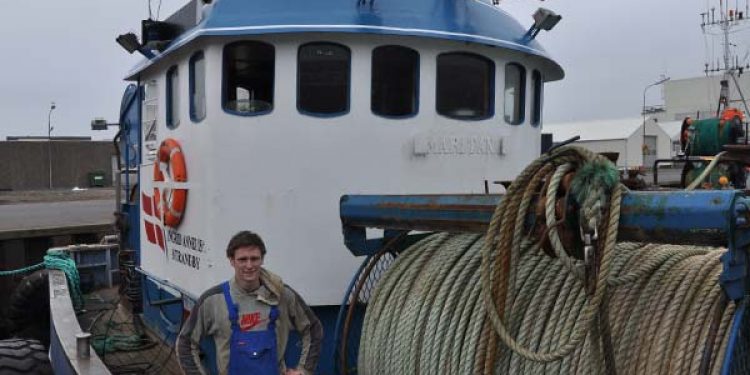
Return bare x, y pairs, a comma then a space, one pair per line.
64, 51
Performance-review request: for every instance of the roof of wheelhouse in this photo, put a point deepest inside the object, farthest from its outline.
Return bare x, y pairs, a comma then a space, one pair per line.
461, 20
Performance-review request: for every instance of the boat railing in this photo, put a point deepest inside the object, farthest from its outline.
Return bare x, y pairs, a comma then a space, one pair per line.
64, 332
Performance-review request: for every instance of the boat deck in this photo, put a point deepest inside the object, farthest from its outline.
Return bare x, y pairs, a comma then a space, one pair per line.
108, 316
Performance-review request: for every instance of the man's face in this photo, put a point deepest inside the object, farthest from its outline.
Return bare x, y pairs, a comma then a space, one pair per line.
246, 263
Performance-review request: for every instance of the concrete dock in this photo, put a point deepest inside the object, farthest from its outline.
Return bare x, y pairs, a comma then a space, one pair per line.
26, 220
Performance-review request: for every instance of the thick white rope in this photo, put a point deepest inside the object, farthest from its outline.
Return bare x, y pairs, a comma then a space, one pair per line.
436, 309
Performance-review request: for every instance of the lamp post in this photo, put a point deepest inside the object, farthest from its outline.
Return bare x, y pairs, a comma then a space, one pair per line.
643, 112
49, 141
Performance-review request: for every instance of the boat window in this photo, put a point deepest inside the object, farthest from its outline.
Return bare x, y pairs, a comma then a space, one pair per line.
465, 84
536, 99
197, 87
173, 99
248, 78
149, 113
323, 79
515, 95
395, 79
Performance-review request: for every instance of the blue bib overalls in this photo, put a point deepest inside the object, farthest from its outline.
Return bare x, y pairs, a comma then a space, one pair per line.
251, 352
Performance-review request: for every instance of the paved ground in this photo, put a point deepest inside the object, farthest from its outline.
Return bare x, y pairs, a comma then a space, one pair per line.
51, 218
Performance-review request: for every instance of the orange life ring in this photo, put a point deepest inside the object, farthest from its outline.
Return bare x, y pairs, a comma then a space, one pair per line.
171, 207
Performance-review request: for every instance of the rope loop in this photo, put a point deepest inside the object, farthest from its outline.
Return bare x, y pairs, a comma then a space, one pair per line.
508, 303
61, 260
596, 188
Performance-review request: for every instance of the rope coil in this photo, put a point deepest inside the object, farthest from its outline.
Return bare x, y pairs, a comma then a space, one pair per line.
496, 304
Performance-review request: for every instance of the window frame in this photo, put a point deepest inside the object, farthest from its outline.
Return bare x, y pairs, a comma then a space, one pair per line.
491, 89
348, 86
172, 96
537, 97
197, 55
149, 119
522, 87
224, 80
417, 81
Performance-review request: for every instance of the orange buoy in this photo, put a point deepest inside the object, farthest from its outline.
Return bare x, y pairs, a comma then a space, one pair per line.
170, 205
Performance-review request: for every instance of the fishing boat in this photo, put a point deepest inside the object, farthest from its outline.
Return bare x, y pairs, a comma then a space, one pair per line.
262, 115
346, 133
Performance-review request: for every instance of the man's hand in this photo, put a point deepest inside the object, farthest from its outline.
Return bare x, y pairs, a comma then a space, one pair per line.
294, 371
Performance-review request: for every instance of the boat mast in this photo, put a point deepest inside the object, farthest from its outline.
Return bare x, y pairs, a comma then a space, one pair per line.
728, 19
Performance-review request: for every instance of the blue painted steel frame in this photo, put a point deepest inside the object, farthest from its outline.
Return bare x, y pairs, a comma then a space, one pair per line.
57, 357
733, 337
130, 148
340, 316
702, 216
718, 218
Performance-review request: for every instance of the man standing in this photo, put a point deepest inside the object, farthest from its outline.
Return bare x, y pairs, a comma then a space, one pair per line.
249, 318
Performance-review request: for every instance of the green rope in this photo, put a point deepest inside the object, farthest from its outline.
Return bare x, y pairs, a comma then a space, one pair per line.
592, 188
119, 343
594, 175
60, 260
57, 260
35, 267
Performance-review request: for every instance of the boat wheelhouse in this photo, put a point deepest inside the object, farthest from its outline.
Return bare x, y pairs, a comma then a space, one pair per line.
279, 108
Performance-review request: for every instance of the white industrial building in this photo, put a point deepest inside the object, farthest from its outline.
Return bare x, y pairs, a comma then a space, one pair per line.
673, 128
698, 97
624, 136
695, 97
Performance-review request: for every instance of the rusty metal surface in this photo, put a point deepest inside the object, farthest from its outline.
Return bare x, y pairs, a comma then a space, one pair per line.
427, 212
679, 217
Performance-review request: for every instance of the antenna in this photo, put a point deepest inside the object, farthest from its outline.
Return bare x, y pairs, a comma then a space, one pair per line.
729, 18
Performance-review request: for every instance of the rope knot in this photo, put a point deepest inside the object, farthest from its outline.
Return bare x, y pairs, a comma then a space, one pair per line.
592, 188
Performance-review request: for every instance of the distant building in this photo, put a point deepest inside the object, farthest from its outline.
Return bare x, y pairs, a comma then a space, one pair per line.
623, 136
672, 128
694, 97
38, 138
76, 162
698, 97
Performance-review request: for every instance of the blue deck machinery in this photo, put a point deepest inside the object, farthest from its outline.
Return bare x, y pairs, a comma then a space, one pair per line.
712, 218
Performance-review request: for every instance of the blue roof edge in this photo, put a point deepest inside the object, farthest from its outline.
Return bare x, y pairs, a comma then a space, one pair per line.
470, 21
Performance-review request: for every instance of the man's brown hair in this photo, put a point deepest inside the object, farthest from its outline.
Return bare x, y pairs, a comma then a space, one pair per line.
245, 238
